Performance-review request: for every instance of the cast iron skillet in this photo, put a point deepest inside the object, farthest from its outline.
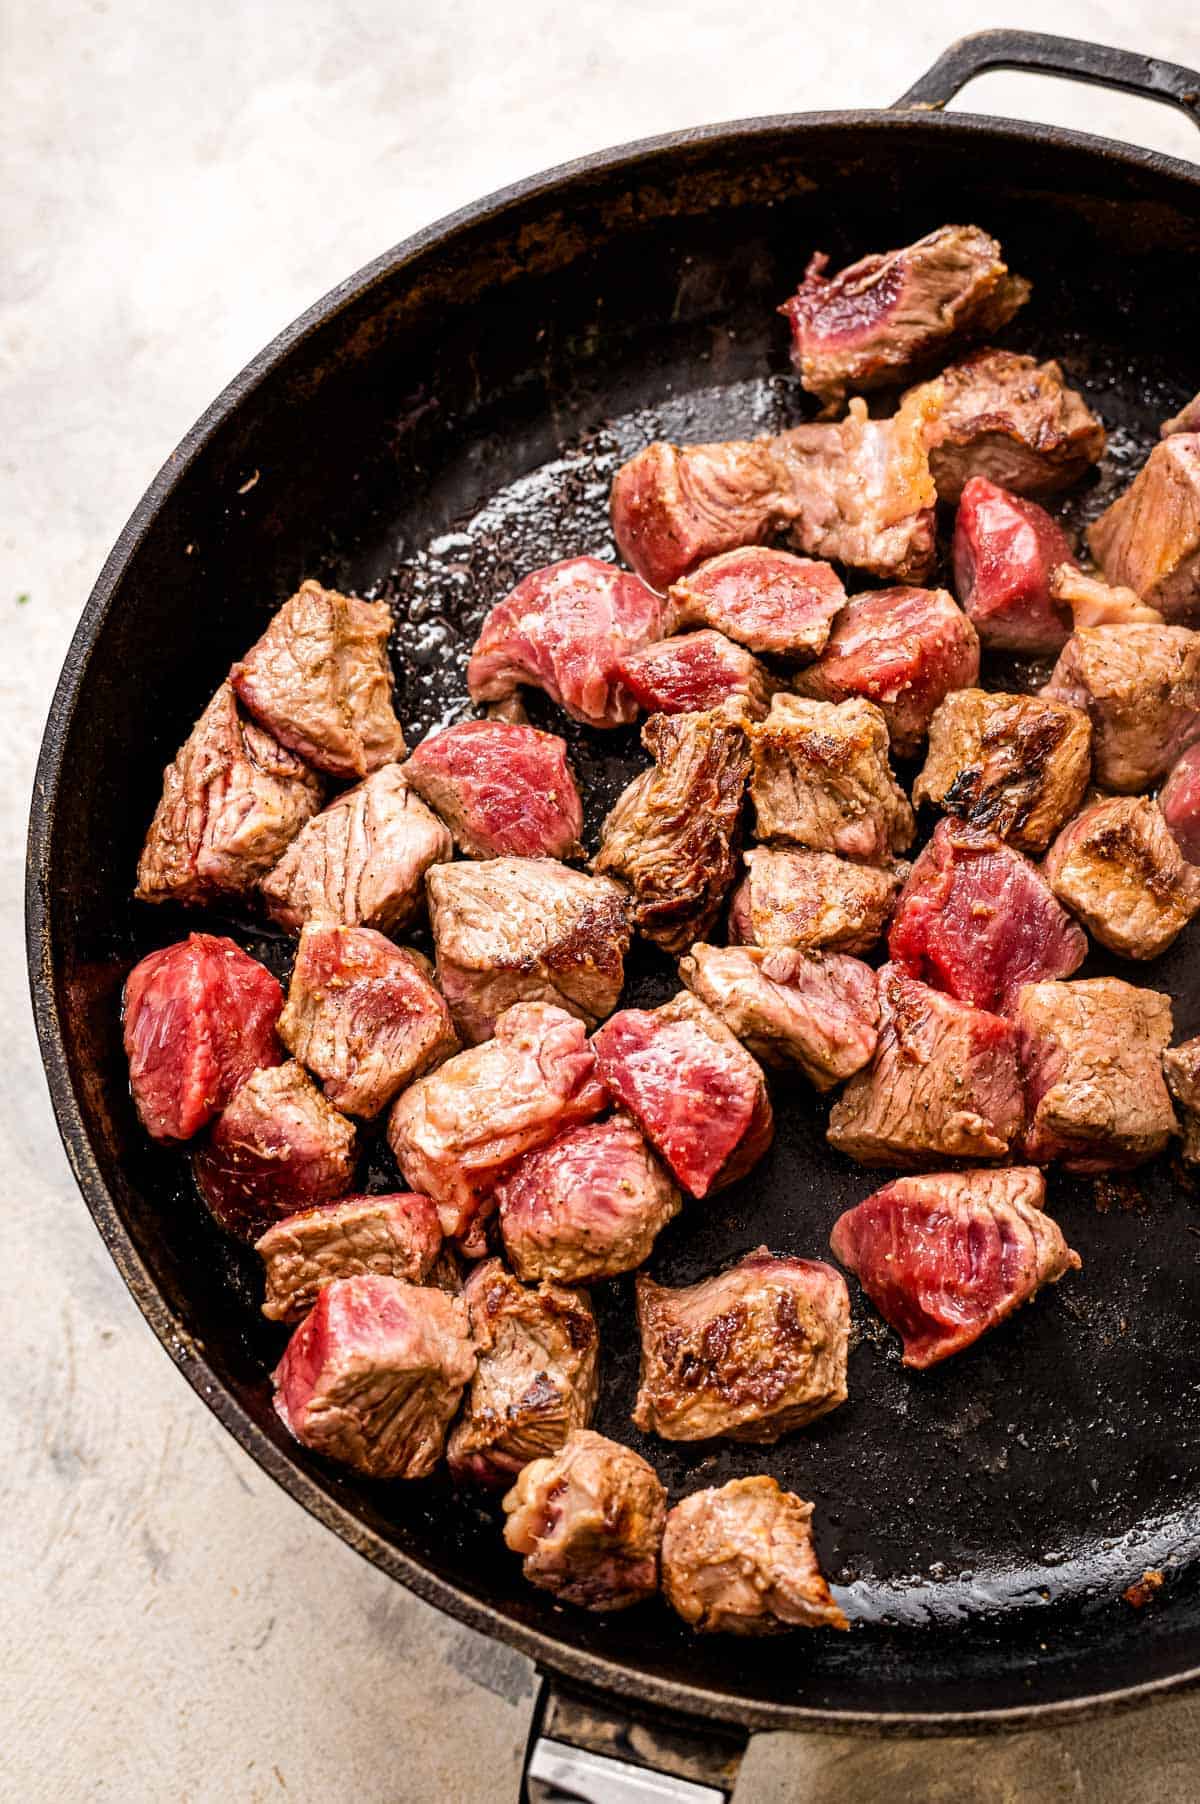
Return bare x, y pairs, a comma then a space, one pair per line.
443, 422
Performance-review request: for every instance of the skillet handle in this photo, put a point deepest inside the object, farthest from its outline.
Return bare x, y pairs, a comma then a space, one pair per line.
1074, 58
588, 1748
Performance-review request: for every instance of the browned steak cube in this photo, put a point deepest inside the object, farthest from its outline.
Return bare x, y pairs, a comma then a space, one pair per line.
739, 1560
1117, 867
821, 779
1139, 686
386, 1236
693, 673
812, 900
672, 836
502, 788
233, 800
816, 1012
374, 1374
1186, 420
535, 1381
513, 930
753, 1353
1092, 1058
363, 1015
768, 600
589, 1522
320, 680
361, 861
276, 1148
944, 1083
1149, 539
1016, 763
1181, 1067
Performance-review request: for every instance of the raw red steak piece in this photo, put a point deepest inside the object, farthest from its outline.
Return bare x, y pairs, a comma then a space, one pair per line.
739, 1560
1149, 539
388, 1236
320, 680
1095, 603
1181, 1068
946, 1257
457, 1132
767, 600
1140, 688
944, 1084
1179, 800
199, 1017
821, 778
1015, 763
535, 1381
815, 1012
373, 1376
811, 900
363, 1015
589, 1522
1117, 867
904, 650
232, 801
504, 790
694, 672
1006, 550
278, 1147
695, 1092
884, 318
753, 1353
671, 507
565, 629
977, 920
1092, 1058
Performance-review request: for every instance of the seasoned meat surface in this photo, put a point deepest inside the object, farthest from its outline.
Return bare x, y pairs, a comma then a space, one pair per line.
944, 1083
693, 1089
1181, 1068
1186, 420
1006, 552
1018, 764
821, 779
1117, 867
589, 1522
374, 1374
739, 1559
753, 1353
361, 861
511, 930
1149, 539
1007, 417
363, 1016
503, 789
319, 679
395, 1236
947, 1256
1095, 603
811, 900
1091, 1052
768, 600
198, 1018
277, 1147
817, 1012
672, 836
904, 650
1140, 688
536, 1377
694, 672
1179, 800
233, 800
588, 1205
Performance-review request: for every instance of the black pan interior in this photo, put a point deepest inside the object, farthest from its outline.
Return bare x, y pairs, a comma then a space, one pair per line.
451, 426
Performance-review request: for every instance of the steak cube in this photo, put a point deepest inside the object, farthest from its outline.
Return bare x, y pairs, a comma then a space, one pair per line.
1006, 550
814, 1011
695, 672
1181, 1068
821, 778
672, 508
977, 920
232, 801
456, 1132
198, 1018
535, 1380
320, 680
1140, 688
767, 600
361, 861
1018, 764
503, 789
1179, 800
753, 1353
565, 629
1186, 420
382, 1236
1095, 603
589, 1522
946, 1257
672, 836
363, 1015
589, 1205
904, 650
277, 1147
1117, 867
944, 1083
373, 1376
1092, 1058
811, 900
739, 1560
511, 930
693, 1089
1149, 539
